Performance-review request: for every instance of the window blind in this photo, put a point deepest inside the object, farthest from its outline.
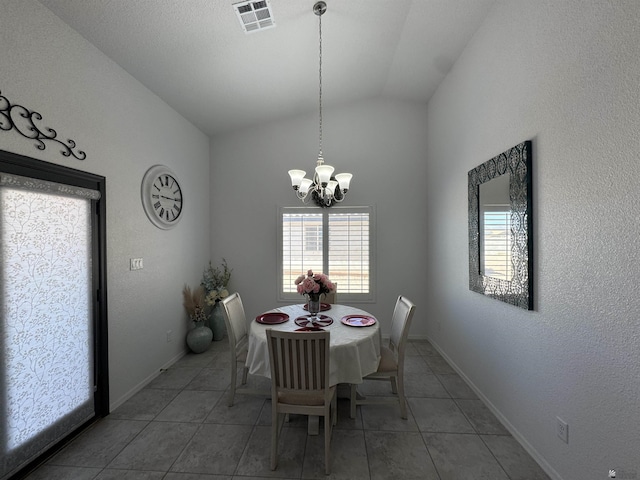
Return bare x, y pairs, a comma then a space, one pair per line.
496, 244
301, 246
349, 251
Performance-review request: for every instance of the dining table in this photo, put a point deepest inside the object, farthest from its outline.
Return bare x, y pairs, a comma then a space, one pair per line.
354, 347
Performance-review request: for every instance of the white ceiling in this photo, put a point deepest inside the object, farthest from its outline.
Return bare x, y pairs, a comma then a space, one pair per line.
196, 57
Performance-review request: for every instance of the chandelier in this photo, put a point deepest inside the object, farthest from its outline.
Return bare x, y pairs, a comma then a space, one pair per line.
324, 189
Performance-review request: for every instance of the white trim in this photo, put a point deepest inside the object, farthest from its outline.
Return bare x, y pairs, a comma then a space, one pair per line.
146, 381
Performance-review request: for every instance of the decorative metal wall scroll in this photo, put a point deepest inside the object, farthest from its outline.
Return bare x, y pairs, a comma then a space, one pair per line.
24, 122
518, 291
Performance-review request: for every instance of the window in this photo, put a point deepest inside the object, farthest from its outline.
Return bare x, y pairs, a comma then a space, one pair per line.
496, 243
336, 241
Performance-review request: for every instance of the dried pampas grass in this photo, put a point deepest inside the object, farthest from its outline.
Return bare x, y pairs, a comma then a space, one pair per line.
193, 301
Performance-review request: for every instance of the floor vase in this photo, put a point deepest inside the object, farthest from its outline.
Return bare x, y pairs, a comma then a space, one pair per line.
216, 322
199, 338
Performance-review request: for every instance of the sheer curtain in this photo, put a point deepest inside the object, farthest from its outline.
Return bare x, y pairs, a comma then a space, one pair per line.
47, 320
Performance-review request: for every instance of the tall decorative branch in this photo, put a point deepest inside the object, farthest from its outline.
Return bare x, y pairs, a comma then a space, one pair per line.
24, 122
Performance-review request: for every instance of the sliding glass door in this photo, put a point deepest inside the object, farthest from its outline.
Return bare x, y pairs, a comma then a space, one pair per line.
50, 333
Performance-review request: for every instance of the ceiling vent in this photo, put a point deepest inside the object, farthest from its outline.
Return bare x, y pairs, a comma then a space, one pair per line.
254, 16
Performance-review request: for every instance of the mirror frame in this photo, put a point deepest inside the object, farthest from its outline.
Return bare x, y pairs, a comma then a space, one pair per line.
515, 162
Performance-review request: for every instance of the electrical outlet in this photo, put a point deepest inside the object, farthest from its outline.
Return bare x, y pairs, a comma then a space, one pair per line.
169, 336
135, 264
562, 429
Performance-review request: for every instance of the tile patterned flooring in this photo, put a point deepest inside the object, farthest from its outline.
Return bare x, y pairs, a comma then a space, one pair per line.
180, 428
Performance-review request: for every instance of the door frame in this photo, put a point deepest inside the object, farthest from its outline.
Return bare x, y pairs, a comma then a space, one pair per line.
29, 167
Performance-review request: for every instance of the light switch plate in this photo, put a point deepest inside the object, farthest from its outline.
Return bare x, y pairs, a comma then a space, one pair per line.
135, 264
562, 429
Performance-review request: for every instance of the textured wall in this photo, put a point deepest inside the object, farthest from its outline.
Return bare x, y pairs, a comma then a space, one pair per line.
564, 74
124, 129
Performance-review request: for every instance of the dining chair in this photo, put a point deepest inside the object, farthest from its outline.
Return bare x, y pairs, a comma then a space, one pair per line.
391, 365
299, 364
333, 296
238, 333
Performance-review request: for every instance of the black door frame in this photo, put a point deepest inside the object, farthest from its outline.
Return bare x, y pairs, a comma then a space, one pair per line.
29, 167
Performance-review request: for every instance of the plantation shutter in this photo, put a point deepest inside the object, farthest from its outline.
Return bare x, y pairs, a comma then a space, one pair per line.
302, 246
496, 244
349, 253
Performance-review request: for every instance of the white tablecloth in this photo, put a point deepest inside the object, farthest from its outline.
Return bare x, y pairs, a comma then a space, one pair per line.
354, 351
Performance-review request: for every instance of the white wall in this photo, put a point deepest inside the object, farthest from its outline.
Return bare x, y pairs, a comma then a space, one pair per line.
381, 142
124, 129
564, 74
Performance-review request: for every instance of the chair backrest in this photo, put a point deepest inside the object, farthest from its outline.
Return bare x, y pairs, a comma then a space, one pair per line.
333, 296
299, 363
400, 324
235, 320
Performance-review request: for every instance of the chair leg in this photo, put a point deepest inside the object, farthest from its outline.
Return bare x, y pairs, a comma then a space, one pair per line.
334, 406
234, 378
276, 425
328, 427
394, 385
401, 399
274, 442
245, 372
352, 401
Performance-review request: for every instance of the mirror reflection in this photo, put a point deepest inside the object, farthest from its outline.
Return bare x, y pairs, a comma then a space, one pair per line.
495, 229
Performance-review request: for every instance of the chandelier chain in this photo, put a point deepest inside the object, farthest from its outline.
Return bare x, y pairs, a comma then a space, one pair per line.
320, 90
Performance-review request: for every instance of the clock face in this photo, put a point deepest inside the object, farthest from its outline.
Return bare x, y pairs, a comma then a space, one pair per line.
162, 197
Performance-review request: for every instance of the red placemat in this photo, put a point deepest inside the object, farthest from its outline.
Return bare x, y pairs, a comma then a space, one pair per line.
320, 321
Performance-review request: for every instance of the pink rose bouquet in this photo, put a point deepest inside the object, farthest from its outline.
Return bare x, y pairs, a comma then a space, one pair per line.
314, 283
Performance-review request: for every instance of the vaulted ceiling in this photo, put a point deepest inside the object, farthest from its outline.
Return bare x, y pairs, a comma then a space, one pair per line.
195, 55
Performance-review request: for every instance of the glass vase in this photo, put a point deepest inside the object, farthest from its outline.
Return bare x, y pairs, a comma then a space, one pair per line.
313, 304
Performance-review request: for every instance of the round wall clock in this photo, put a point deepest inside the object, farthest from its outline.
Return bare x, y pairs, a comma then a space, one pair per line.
162, 197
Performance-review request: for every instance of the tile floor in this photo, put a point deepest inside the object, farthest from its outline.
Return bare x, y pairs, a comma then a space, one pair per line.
180, 428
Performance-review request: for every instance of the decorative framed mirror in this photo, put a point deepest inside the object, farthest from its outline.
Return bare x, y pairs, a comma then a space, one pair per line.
500, 227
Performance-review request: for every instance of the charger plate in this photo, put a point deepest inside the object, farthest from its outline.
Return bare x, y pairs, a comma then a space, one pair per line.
272, 318
358, 320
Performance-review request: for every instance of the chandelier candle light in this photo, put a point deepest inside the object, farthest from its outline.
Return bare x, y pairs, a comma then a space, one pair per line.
324, 188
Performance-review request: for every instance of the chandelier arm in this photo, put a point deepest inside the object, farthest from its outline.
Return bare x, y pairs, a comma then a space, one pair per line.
301, 196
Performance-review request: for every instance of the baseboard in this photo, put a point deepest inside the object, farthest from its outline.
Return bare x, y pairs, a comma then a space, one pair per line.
145, 382
385, 337
539, 459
